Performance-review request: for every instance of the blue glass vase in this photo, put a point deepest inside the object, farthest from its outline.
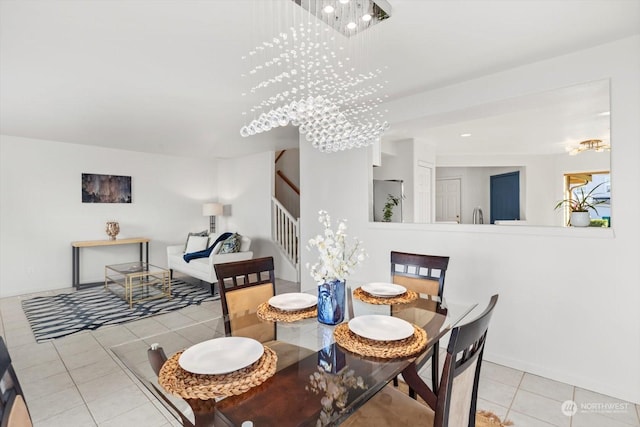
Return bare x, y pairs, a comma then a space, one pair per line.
331, 302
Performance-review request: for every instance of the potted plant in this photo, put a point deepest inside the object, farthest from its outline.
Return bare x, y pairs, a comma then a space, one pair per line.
579, 206
387, 210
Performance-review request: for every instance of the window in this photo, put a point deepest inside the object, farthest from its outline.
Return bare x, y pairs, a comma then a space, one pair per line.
575, 183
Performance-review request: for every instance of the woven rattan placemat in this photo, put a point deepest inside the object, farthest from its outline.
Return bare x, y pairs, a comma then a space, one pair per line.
185, 384
405, 298
267, 312
407, 347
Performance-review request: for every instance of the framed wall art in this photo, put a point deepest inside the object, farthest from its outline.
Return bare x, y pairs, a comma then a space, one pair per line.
106, 188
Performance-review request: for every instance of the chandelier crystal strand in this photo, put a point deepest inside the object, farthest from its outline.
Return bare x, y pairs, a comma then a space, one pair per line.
306, 78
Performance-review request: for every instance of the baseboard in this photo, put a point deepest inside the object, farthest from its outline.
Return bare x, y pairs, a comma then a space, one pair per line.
565, 377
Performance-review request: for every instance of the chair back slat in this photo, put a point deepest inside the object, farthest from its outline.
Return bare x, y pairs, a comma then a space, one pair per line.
423, 286
420, 273
458, 391
243, 286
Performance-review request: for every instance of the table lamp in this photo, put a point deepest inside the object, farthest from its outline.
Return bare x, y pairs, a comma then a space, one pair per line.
211, 210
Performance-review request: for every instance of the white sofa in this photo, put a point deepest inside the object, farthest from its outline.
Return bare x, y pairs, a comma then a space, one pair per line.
202, 268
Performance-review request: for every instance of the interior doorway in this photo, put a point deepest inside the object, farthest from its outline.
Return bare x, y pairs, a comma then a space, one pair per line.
504, 196
448, 200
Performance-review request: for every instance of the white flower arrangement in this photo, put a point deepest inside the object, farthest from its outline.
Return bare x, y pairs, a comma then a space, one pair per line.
337, 259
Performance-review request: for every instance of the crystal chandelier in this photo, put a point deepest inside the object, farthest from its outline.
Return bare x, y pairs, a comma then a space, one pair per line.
591, 144
305, 77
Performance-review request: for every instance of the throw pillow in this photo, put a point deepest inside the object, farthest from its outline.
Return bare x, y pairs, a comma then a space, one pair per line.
231, 245
199, 233
196, 243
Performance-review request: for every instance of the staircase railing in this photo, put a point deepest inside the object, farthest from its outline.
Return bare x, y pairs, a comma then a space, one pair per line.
287, 193
286, 232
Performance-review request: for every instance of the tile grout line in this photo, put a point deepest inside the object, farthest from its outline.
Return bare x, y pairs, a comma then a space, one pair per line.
137, 383
84, 402
573, 398
514, 396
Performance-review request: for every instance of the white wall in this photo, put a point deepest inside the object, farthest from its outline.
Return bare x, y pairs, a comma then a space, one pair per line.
568, 306
246, 183
41, 211
398, 165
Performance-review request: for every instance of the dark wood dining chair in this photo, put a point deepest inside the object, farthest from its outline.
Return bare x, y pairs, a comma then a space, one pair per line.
424, 274
243, 286
157, 357
13, 407
455, 403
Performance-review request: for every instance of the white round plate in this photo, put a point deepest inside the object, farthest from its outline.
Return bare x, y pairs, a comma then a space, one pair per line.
384, 289
221, 355
293, 301
381, 328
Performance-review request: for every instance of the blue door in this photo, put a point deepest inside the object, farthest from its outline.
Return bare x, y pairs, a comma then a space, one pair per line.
505, 196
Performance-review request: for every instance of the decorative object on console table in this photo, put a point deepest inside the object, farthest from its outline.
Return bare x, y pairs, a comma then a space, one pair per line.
336, 261
211, 210
113, 228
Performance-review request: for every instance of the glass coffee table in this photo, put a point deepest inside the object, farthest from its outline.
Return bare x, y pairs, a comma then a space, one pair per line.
137, 281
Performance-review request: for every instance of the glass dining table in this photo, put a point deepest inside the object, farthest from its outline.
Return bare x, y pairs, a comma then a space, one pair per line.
317, 381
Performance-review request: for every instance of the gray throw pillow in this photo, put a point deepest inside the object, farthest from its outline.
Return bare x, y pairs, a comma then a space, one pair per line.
199, 233
231, 245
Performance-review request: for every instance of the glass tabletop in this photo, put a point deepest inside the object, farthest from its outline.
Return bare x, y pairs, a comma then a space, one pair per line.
317, 381
135, 267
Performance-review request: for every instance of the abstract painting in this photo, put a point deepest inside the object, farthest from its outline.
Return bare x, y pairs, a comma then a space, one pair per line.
106, 188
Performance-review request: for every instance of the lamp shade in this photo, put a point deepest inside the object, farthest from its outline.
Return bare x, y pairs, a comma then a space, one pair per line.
211, 209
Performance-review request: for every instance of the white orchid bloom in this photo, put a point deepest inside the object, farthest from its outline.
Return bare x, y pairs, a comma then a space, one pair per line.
336, 259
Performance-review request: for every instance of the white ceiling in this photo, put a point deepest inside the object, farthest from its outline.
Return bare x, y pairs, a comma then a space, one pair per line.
164, 76
544, 123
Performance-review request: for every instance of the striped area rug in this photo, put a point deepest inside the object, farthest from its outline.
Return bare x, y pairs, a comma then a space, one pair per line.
64, 314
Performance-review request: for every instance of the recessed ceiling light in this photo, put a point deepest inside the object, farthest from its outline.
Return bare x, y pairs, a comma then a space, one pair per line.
351, 25
328, 9
366, 17
605, 113
344, 1
464, 135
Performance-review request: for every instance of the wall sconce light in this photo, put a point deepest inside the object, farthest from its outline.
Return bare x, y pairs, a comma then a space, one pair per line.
211, 210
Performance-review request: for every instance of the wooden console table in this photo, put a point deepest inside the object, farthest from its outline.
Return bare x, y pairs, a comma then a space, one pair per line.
75, 248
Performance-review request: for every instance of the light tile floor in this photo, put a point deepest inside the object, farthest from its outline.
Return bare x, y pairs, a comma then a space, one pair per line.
77, 381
